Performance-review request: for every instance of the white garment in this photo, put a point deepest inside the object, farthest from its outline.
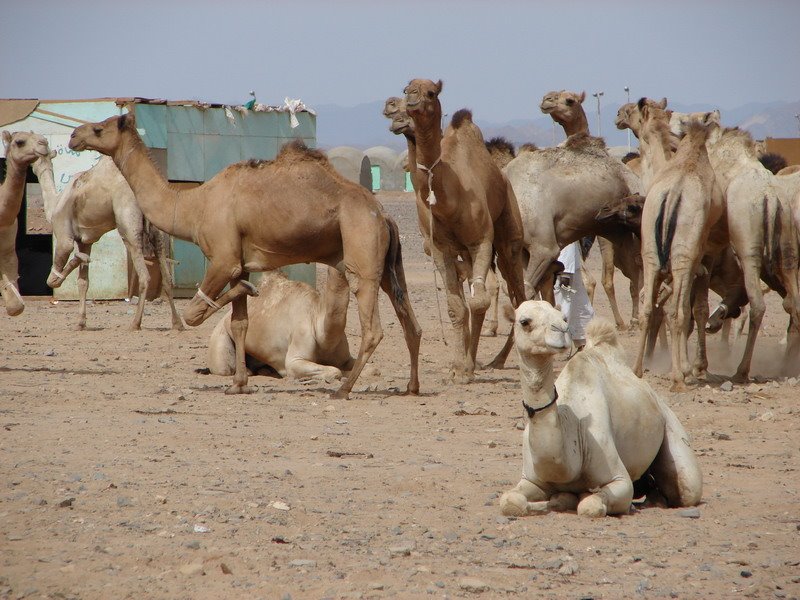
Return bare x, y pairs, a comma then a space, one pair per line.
575, 305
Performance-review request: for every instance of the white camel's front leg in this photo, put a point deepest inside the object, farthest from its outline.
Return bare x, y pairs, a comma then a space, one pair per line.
301, 368
516, 501
613, 498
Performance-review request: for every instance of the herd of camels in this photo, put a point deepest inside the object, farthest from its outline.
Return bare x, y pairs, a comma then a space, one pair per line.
695, 210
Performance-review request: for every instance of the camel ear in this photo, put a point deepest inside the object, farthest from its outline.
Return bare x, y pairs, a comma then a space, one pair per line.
439, 87
6, 138
663, 104
52, 154
708, 118
582, 97
642, 103
128, 120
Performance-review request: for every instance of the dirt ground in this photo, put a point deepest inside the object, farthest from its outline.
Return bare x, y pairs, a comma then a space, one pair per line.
125, 474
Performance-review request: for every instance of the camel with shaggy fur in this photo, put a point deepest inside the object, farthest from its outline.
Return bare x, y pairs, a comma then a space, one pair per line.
21, 150
93, 203
593, 431
261, 215
681, 212
293, 330
472, 214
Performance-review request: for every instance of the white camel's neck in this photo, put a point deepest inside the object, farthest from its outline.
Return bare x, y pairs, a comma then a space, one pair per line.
170, 210
545, 434
44, 173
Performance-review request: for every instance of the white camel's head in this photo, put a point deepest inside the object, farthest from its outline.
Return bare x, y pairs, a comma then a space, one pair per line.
540, 328
679, 123
24, 147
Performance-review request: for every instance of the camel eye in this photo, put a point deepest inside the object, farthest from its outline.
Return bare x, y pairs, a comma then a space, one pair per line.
570, 101
97, 131
20, 143
430, 94
525, 321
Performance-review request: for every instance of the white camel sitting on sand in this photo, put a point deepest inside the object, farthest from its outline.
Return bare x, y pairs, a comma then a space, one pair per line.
294, 330
596, 429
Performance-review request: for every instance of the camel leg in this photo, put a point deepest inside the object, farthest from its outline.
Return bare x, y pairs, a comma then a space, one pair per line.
635, 290
751, 269
221, 351
481, 258
371, 332
166, 278
408, 321
515, 502
9, 270
650, 289
512, 272
63, 265
679, 311
700, 313
607, 254
200, 309
614, 498
300, 368
239, 333
137, 258
83, 284
457, 311
675, 469
493, 289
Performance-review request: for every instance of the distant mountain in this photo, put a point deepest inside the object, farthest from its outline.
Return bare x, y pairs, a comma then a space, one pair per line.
364, 125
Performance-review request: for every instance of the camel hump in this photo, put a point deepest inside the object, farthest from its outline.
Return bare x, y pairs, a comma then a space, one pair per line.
298, 149
460, 116
601, 331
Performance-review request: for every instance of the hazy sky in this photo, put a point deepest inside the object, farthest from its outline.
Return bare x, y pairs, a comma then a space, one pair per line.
497, 57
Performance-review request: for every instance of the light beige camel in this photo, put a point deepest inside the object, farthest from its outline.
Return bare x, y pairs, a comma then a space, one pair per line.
682, 207
472, 212
262, 215
790, 170
21, 150
593, 431
294, 330
762, 232
93, 203
566, 109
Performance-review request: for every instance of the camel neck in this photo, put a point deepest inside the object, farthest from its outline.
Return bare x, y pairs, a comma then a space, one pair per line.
44, 173
545, 434
170, 210
579, 124
11, 192
655, 153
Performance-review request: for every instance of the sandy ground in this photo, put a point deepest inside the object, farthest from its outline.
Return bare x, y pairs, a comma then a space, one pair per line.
124, 474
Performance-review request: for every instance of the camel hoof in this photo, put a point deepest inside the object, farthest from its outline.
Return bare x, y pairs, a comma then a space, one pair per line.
13, 311
240, 389
622, 327
740, 378
80, 326
513, 504
679, 386
178, 327
412, 390
496, 364
340, 395
135, 328
592, 506
634, 324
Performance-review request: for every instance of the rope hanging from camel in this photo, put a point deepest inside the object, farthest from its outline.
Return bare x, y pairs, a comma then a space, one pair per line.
429, 170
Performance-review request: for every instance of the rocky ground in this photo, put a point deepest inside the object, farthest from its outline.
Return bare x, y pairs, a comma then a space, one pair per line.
125, 474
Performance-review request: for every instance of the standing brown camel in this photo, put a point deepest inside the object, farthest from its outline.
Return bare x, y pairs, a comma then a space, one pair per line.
261, 215
472, 212
21, 150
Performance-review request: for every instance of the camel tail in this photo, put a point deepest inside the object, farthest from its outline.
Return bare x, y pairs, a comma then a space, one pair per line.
664, 239
601, 331
394, 263
779, 235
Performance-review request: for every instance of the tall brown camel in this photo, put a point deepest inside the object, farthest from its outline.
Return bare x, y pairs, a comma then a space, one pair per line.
565, 108
472, 212
21, 150
682, 210
261, 215
95, 202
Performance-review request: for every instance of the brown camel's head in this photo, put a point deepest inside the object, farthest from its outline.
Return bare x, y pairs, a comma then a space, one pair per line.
395, 110
104, 137
422, 100
625, 213
563, 106
540, 328
24, 147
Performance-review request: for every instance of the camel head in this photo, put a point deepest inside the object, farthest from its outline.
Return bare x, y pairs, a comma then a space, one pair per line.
625, 212
24, 147
395, 110
422, 100
540, 328
629, 115
104, 137
679, 123
563, 106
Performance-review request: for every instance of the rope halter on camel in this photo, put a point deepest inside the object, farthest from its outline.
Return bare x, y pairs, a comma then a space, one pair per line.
532, 411
429, 170
207, 300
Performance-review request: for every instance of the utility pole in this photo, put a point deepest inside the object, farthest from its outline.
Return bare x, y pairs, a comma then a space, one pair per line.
628, 92
599, 128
